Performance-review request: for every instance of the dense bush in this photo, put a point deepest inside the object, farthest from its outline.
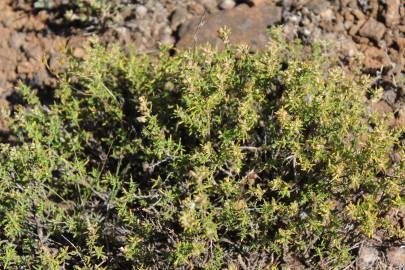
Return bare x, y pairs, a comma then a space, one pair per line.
205, 159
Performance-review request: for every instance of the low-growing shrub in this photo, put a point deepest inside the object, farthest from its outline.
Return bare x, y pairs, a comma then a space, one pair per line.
204, 159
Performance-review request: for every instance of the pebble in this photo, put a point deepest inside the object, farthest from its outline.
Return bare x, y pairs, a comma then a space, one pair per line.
347, 25
24, 67
390, 97
141, 11
227, 4
179, 16
123, 34
79, 53
16, 40
167, 39
392, 16
327, 14
306, 32
372, 29
348, 47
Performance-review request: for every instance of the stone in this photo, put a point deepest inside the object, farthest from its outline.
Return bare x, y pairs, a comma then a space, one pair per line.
339, 24
318, 6
33, 50
400, 42
167, 39
178, 17
79, 53
372, 29
227, 4
210, 5
363, 41
354, 29
348, 25
367, 257
24, 68
391, 14
287, 4
195, 8
78, 42
57, 63
375, 59
141, 11
41, 78
43, 15
16, 40
358, 14
390, 97
248, 25
327, 14
396, 256
347, 47
123, 35
166, 36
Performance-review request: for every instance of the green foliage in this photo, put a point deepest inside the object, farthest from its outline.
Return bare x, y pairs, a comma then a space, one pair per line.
205, 159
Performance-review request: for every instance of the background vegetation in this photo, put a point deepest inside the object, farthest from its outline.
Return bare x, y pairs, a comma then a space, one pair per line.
204, 159
93, 14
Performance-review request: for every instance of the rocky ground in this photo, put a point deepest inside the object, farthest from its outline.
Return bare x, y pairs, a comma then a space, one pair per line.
33, 41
